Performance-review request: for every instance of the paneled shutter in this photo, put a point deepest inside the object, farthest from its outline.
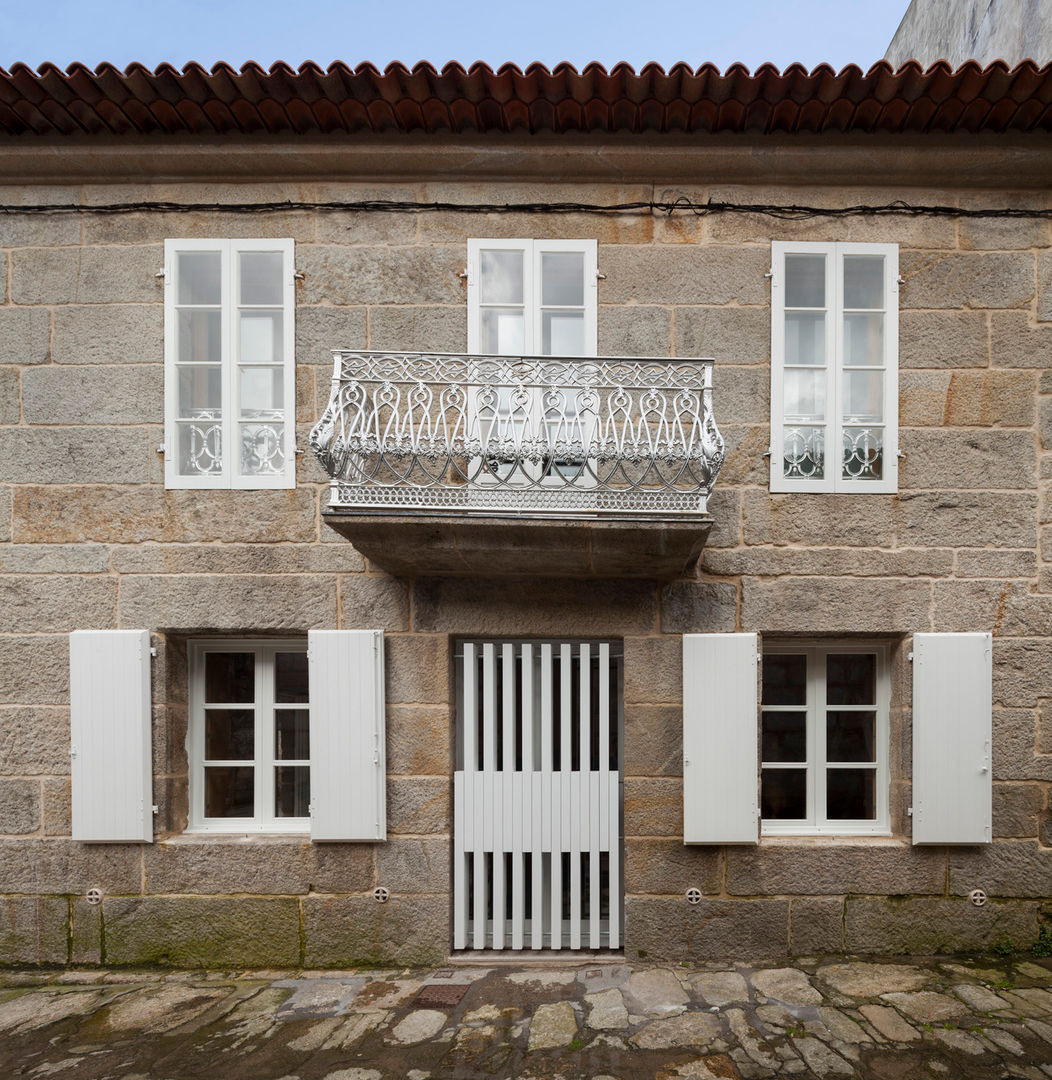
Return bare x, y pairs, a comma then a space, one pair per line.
110, 736
347, 731
952, 731
720, 762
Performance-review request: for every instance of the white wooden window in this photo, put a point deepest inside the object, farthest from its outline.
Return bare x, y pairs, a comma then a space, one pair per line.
834, 367
229, 364
249, 736
824, 739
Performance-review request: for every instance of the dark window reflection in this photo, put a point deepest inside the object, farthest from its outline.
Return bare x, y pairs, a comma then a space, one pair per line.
291, 677
851, 794
784, 680
230, 677
785, 736
851, 679
291, 791
783, 794
851, 736
291, 734
229, 791
230, 734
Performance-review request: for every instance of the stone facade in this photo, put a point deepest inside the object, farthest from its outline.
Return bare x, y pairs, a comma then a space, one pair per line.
90, 538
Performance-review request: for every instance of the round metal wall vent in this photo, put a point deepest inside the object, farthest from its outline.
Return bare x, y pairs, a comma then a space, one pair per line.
381, 895
977, 897
694, 896
93, 897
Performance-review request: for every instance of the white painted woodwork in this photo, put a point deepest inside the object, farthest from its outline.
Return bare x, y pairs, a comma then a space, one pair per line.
347, 753
517, 817
110, 736
720, 739
952, 733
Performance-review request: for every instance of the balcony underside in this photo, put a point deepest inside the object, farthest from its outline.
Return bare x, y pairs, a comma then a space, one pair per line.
412, 545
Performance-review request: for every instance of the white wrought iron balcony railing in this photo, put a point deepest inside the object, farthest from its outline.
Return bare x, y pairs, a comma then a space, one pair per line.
530, 435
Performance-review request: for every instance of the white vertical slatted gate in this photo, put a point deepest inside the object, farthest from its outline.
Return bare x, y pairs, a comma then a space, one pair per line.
537, 796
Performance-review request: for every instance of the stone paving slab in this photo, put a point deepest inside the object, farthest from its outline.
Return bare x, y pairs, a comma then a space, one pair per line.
981, 1019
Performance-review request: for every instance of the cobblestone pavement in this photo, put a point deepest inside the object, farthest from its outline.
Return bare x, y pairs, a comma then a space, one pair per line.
596, 1019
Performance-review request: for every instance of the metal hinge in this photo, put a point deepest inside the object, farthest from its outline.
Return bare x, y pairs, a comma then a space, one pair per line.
153, 650
909, 811
909, 657
162, 273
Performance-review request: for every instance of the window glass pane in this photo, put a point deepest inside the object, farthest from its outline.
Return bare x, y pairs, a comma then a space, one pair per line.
230, 677
804, 394
863, 340
562, 278
261, 277
199, 336
785, 736
851, 794
262, 390
805, 281
229, 791
784, 679
562, 333
292, 734
200, 448
864, 281
292, 791
262, 449
230, 734
261, 337
863, 396
805, 338
783, 794
200, 391
851, 736
290, 677
199, 277
803, 450
503, 332
863, 453
851, 679
501, 277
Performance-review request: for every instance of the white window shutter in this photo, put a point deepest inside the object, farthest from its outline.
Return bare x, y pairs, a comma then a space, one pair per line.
952, 731
720, 755
348, 770
110, 736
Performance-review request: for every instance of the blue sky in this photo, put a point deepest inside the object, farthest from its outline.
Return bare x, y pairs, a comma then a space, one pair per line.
838, 32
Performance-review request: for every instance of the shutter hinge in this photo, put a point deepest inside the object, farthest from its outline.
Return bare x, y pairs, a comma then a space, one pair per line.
770, 273
599, 276
297, 275
162, 273
72, 751
155, 808
463, 275
909, 811
909, 657
153, 650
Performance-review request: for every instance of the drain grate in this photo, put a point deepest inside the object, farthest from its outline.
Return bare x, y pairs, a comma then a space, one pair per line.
442, 997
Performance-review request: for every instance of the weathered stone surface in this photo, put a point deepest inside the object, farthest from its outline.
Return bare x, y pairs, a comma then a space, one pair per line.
688, 1029
417, 1027
999, 234
682, 275
1016, 343
418, 740
1044, 288
926, 926
553, 1026
864, 980
787, 985
926, 1006
636, 330
36, 669
835, 605
725, 508
34, 741
34, 602
381, 275
418, 329
416, 668
542, 607
698, 607
156, 1011
978, 998
33, 930
230, 602
114, 334
1022, 674
10, 395
73, 514
57, 812
842, 1027
816, 925
19, 806
653, 744
1016, 809
54, 559
53, 455
413, 866
205, 864
849, 520
965, 519
669, 866
606, 1010
719, 987
968, 605
1009, 868
938, 280
93, 395
712, 930
207, 932
418, 804
319, 330
25, 335
836, 561
372, 601
989, 399
653, 807
996, 564
743, 395
227, 558
5, 514
821, 1059
946, 457
943, 339
653, 669
745, 464
889, 1024
730, 335
58, 866
346, 931
654, 992
86, 275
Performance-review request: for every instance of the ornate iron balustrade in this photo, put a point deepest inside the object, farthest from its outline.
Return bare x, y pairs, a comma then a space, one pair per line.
523, 435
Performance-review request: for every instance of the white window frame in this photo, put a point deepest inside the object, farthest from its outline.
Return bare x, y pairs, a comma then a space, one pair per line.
816, 824
834, 348
230, 476
264, 760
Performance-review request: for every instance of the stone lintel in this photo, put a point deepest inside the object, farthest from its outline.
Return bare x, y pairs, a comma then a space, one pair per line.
499, 547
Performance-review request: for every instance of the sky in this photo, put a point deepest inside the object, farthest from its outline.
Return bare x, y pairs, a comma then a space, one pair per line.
722, 32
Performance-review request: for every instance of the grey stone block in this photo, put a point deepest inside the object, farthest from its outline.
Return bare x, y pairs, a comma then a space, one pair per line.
832, 562
56, 455
113, 334
965, 519
725, 508
382, 275
745, 464
746, 930
57, 806
202, 932
89, 275
653, 806
208, 864
419, 740
319, 330
36, 669
1014, 753
1000, 234
670, 867
730, 335
85, 932
227, 558
685, 275
653, 669
25, 335
59, 866
1017, 809
1004, 869
343, 932
34, 930
996, 564
19, 806
1022, 673
941, 280
419, 804
414, 865
653, 740
54, 559
343, 868
39, 602
848, 520
5, 514
816, 926
419, 329
93, 394
373, 602
10, 395
635, 330
34, 741
416, 669
977, 459
692, 607
942, 339
1044, 286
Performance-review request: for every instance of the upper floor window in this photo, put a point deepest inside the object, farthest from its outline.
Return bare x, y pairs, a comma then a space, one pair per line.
532, 297
229, 364
834, 367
